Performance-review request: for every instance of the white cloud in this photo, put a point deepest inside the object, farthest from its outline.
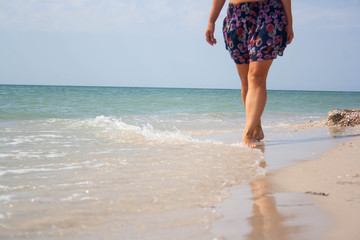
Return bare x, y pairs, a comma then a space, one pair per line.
95, 16
141, 15
327, 14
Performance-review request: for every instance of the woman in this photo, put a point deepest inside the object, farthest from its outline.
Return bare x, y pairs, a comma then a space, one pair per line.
255, 32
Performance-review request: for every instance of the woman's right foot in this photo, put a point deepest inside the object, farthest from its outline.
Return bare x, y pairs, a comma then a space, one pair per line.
258, 133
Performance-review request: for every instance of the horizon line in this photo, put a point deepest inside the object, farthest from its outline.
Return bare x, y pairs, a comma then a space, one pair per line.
158, 87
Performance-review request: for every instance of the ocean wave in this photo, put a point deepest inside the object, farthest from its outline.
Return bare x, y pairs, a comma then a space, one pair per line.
117, 128
171, 136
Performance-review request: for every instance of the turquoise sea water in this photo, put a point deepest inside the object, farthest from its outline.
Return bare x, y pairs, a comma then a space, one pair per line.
41, 102
133, 163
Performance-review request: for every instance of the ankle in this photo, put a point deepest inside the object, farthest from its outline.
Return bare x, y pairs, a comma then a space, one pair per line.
247, 133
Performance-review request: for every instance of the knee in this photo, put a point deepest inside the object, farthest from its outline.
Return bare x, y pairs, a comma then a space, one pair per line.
257, 78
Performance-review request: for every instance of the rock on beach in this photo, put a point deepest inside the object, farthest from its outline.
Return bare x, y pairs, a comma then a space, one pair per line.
343, 118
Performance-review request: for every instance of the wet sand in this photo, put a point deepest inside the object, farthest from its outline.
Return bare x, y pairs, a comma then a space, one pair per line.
333, 183
280, 208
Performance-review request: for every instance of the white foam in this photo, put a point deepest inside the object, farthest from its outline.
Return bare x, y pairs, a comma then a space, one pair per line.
77, 197
164, 136
110, 123
84, 183
70, 198
114, 126
2, 187
5, 198
64, 185
50, 136
21, 155
89, 199
16, 141
172, 136
29, 139
23, 171
55, 155
5, 215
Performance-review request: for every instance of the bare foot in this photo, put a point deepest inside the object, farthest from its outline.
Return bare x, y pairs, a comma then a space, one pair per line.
247, 139
258, 133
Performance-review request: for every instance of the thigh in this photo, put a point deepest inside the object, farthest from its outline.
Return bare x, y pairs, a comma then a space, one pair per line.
258, 71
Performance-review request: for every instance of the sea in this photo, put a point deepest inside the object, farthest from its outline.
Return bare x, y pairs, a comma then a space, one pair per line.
138, 163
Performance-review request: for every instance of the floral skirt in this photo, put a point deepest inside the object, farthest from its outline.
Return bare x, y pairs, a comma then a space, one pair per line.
255, 31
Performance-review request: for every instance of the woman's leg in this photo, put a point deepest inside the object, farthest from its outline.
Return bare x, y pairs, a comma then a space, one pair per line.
255, 98
243, 71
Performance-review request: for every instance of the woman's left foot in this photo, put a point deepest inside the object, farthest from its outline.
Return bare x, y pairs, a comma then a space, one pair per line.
247, 139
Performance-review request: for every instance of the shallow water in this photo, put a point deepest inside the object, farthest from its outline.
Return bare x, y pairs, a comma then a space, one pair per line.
134, 163
66, 176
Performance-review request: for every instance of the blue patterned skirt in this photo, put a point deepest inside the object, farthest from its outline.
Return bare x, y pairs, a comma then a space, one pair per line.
255, 31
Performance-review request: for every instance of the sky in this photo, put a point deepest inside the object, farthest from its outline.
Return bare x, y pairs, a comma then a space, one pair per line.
161, 43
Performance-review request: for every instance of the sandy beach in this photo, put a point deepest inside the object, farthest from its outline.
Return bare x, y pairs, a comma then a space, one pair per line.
333, 182
315, 197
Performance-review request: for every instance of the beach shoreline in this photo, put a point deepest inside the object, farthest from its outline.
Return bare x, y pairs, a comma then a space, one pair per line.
332, 182
157, 163
305, 198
